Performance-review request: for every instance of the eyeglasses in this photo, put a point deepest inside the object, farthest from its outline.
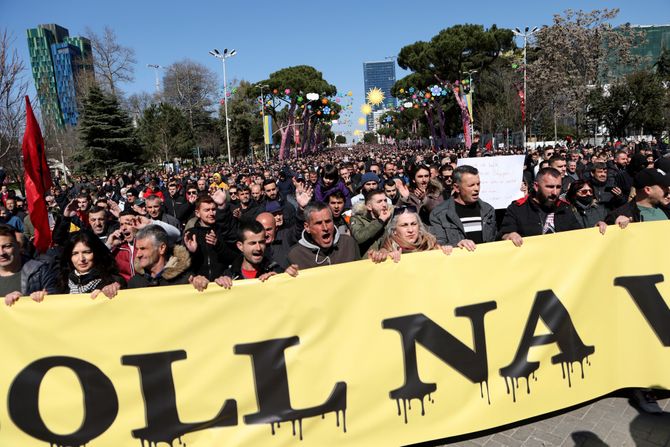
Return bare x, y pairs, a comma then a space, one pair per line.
192, 193
401, 209
585, 192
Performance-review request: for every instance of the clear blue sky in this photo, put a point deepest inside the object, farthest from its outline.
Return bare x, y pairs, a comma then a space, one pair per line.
334, 37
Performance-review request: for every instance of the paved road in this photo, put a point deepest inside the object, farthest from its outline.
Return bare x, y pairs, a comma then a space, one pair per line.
609, 421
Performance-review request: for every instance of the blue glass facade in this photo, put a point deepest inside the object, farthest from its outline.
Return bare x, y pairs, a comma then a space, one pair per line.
382, 76
63, 56
57, 60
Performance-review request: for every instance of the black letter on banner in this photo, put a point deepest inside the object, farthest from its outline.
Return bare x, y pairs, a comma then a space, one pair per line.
645, 294
548, 307
420, 329
100, 402
163, 424
272, 391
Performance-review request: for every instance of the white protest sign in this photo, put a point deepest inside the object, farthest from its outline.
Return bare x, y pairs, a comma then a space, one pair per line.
500, 178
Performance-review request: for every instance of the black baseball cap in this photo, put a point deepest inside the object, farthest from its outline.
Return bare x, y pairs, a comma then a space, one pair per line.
651, 177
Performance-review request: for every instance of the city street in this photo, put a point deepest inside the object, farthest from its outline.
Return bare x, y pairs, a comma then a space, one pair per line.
608, 421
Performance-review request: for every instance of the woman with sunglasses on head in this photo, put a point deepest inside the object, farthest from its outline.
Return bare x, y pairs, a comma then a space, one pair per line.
87, 267
405, 234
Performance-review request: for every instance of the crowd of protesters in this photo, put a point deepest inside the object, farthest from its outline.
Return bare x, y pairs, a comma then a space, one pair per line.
221, 223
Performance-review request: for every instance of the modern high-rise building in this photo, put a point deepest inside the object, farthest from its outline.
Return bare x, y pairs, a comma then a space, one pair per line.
58, 61
653, 39
382, 76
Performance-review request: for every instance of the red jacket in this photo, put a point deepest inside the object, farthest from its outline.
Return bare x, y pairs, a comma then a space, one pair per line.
124, 255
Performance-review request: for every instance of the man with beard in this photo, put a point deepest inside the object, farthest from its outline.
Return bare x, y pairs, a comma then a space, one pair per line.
541, 212
272, 193
247, 208
321, 243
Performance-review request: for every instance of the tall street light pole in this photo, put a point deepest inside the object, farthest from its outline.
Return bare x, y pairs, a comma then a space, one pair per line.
525, 34
262, 86
156, 67
223, 56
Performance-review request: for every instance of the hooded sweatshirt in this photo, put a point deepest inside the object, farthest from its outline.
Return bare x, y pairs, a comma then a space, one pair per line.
306, 254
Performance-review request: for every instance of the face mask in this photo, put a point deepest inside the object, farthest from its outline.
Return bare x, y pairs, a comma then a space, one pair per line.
585, 200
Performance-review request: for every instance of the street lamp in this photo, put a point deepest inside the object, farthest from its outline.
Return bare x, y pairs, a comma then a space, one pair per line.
156, 67
525, 34
223, 56
265, 145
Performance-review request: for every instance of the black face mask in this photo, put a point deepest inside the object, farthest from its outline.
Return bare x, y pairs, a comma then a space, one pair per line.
585, 200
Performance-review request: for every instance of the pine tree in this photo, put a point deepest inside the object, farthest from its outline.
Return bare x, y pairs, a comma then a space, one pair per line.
107, 135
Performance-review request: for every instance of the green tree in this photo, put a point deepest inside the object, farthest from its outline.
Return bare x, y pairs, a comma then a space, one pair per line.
245, 123
369, 137
286, 101
106, 134
340, 139
663, 64
636, 101
165, 133
570, 57
442, 63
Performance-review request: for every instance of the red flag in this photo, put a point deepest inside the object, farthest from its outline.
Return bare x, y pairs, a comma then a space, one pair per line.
38, 180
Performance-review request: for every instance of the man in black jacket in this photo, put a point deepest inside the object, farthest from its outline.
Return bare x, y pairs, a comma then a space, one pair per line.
252, 262
210, 254
542, 212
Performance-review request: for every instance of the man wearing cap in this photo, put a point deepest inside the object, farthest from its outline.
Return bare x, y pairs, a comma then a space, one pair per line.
369, 182
651, 187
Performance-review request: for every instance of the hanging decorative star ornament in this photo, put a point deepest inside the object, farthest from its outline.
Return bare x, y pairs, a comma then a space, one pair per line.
366, 109
375, 96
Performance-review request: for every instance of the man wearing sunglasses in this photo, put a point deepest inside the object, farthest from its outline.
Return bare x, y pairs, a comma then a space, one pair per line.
464, 220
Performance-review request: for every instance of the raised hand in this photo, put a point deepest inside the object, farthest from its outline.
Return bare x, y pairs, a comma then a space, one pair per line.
303, 194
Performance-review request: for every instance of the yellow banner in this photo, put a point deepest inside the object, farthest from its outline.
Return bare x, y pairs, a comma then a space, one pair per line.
350, 355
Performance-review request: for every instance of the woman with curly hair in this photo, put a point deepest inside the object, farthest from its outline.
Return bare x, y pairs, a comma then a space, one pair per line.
87, 266
405, 234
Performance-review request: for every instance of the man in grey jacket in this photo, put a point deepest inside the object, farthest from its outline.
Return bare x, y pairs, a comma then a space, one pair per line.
464, 220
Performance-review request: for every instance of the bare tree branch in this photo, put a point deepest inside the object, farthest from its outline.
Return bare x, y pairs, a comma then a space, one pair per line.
113, 62
13, 88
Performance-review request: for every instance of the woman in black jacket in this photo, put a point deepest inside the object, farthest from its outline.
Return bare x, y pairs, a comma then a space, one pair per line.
87, 266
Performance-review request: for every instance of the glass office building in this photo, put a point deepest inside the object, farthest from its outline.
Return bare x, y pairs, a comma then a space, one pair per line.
382, 76
654, 38
57, 61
